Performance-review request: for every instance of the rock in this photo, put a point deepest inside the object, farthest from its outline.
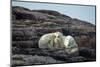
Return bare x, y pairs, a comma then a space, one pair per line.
50, 12
76, 59
22, 13
32, 60
24, 33
31, 56
87, 52
25, 44
18, 60
41, 60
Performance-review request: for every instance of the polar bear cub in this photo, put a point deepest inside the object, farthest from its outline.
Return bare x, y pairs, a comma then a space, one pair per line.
70, 44
51, 40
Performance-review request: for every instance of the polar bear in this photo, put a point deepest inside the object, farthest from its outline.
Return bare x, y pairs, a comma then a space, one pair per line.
70, 45
51, 40
58, 41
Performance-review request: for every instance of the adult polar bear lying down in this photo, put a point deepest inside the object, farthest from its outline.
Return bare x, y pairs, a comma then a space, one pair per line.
58, 41
51, 41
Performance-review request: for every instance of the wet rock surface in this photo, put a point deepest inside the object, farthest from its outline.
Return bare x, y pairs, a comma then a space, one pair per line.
29, 25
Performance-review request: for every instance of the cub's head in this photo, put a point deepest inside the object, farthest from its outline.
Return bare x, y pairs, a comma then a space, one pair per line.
58, 35
69, 42
58, 40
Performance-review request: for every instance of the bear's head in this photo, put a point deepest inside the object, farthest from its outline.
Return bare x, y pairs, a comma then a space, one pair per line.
69, 42
58, 40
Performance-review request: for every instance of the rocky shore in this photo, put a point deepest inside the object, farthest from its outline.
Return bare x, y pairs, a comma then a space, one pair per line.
29, 25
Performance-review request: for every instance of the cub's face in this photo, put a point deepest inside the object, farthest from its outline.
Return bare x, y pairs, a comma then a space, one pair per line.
58, 40
68, 41
58, 35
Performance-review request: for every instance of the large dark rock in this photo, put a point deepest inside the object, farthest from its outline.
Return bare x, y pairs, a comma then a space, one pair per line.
19, 59
33, 56
87, 52
76, 59
32, 24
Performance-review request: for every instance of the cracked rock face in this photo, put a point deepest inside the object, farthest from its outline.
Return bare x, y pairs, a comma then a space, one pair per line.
29, 25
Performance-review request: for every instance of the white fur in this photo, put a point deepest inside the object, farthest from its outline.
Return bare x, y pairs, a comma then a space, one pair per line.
58, 40
70, 44
51, 40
